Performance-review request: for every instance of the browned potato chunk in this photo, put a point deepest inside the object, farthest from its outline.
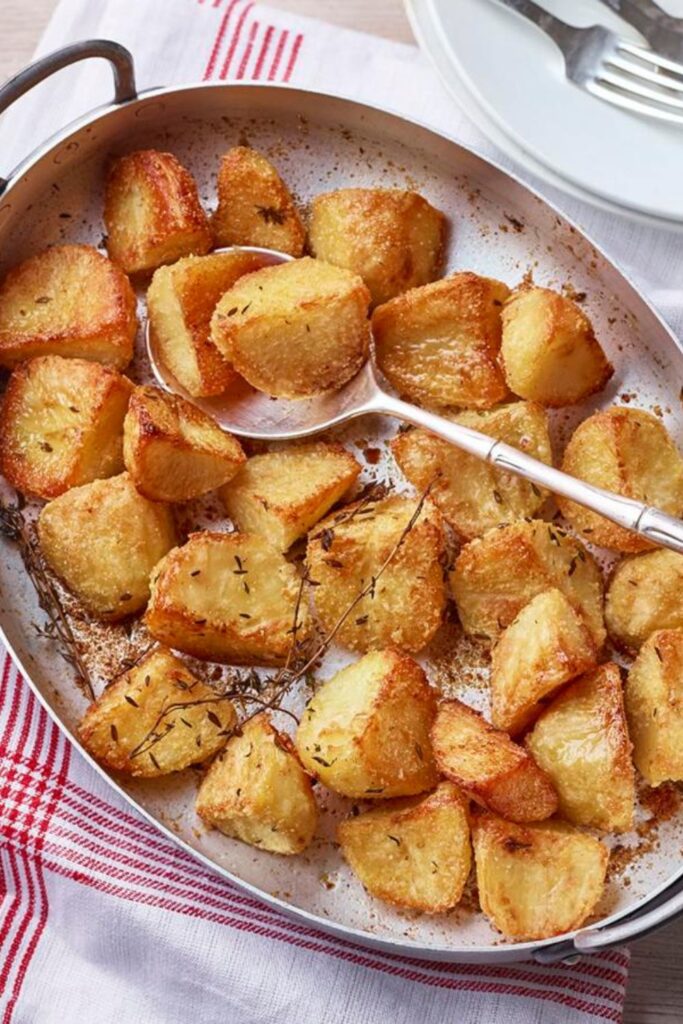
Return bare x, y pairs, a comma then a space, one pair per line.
536, 881
68, 300
103, 539
499, 573
628, 451
227, 597
280, 495
180, 303
346, 552
549, 352
61, 424
644, 594
365, 732
152, 212
582, 742
173, 450
156, 718
296, 329
492, 769
438, 345
542, 649
471, 494
654, 706
413, 853
393, 238
255, 207
257, 791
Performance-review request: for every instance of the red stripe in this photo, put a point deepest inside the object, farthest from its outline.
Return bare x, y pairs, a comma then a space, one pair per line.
248, 50
13, 693
278, 54
218, 41
292, 57
261, 59
28, 899
234, 41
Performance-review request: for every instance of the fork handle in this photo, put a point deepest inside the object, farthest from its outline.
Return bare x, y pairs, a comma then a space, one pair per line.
552, 26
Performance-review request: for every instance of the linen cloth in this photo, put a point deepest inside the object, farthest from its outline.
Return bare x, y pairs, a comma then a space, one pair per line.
103, 919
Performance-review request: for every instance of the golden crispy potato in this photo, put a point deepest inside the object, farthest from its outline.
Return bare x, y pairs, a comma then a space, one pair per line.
492, 769
549, 352
471, 494
393, 238
497, 574
61, 424
173, 450
152, 212
103, 539
628, 451
255, 207
654, 707
542, 649
156, 718
257, 791
346, 552
413, 853
296, 329
227, 597
365, 732
281, 494
68, 300
643, 595
438, 345
536, 881
582, 742
180, 303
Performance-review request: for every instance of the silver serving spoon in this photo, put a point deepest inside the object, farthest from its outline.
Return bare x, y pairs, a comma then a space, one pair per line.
250, 413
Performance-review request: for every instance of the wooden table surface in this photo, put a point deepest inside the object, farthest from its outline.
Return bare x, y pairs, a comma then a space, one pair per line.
655, 993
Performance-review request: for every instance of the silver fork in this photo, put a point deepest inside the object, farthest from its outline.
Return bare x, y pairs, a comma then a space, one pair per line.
663, 31
621, 73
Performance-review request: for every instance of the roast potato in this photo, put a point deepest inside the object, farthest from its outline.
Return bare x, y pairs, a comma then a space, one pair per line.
654, 706
644, 595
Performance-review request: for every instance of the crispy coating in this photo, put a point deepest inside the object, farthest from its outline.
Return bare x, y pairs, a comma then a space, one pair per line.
654, 707
644, 595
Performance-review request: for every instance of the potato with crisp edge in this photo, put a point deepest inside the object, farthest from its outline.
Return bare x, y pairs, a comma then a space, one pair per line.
158, 697
438, 345
227, 597
488, 766
257, 791
68, 300
365, 732
61, 424
255, 207
282, 494
173, 450
414, 852
630, 452
581, 741
549, 353
296, 329
536, 881
102, 540
654, 707
644, 594
393, 238
472, 495
545, 646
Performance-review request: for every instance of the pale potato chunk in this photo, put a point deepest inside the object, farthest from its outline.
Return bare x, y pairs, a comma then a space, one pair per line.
281, 494
173, 450
152, 212
630, 452
471, 494
102, 540
255, 207
393, 238
654, 707
68, 300
644, 594
228, 597
536, 881
346, 552
542, 649
413, 853
365, 732
582, 742
296, 329
497, 574
156, 718
492, 769
549, 352
257, 791
61, 424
